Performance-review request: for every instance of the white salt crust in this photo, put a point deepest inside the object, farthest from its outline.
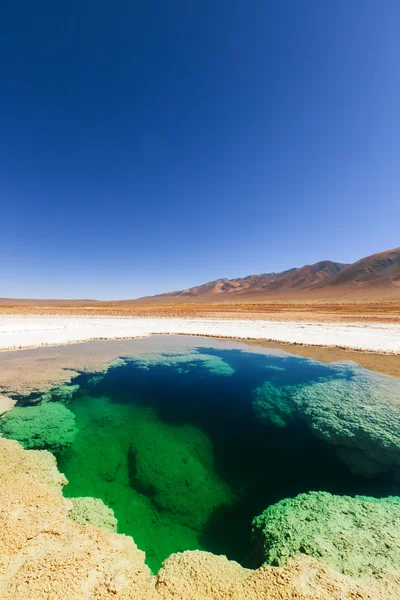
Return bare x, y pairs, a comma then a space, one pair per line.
34, 331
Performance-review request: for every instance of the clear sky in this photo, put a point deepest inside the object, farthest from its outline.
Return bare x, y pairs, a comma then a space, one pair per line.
147, 146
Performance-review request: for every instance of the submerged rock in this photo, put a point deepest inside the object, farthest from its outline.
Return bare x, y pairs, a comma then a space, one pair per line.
355, 410
174, 467
360, 415
93, 381
48, 426
94, 511
61, 393
357, 536
274, 405
158, 477
184, 361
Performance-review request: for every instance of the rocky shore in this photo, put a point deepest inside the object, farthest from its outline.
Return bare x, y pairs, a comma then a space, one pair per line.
45, 554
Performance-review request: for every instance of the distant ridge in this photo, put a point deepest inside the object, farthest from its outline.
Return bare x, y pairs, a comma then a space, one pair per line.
378, 273
375, 276
381, 269
298, 278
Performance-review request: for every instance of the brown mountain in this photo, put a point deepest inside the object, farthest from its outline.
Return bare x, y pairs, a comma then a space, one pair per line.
372, 278
377, 270
297, 278
373, 275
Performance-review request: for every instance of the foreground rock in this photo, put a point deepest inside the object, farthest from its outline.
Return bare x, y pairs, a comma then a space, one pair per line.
357, 536
6, 404
45, 555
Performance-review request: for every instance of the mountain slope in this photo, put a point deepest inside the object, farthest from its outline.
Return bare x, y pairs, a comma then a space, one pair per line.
375, 277
378, 270
378, 273
297, 279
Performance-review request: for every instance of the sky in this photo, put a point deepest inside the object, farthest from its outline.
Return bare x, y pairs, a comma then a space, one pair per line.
148, 146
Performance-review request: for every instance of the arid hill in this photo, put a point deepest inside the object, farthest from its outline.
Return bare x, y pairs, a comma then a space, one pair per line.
375, 275
297, 278
374, 279
377, 270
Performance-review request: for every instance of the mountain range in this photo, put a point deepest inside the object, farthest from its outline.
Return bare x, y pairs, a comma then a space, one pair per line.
378, 274
374, 277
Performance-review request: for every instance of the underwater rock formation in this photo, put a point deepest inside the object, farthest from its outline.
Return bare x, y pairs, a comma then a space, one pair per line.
45, 554
360, 415
94, 511
274, 405
60, 394
49, 425
173, 465
158, 477
355, 410
96, 379
183, 361
357, 536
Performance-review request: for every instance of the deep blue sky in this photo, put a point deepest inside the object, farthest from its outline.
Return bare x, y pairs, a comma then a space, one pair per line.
154, 145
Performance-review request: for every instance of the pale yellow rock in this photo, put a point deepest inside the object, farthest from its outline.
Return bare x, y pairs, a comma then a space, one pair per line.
6, 404
45, 555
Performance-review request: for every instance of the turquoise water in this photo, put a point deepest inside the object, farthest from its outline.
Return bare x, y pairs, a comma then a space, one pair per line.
188, 446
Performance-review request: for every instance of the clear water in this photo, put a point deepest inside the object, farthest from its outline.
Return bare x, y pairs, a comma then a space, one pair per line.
182, 449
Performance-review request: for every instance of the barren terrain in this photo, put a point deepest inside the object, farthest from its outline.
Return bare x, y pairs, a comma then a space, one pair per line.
323, 312
368, 289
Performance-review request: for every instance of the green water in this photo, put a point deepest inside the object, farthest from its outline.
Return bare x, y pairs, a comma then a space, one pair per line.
187, 450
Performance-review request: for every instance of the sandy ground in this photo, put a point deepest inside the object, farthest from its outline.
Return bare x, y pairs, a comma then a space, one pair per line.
321, 312
17, 331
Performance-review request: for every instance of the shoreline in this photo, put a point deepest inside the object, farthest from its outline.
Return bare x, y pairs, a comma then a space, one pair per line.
387, 364
39, 370
68, 559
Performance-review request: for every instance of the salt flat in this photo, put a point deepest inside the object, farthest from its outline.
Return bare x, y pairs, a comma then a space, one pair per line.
33, 331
